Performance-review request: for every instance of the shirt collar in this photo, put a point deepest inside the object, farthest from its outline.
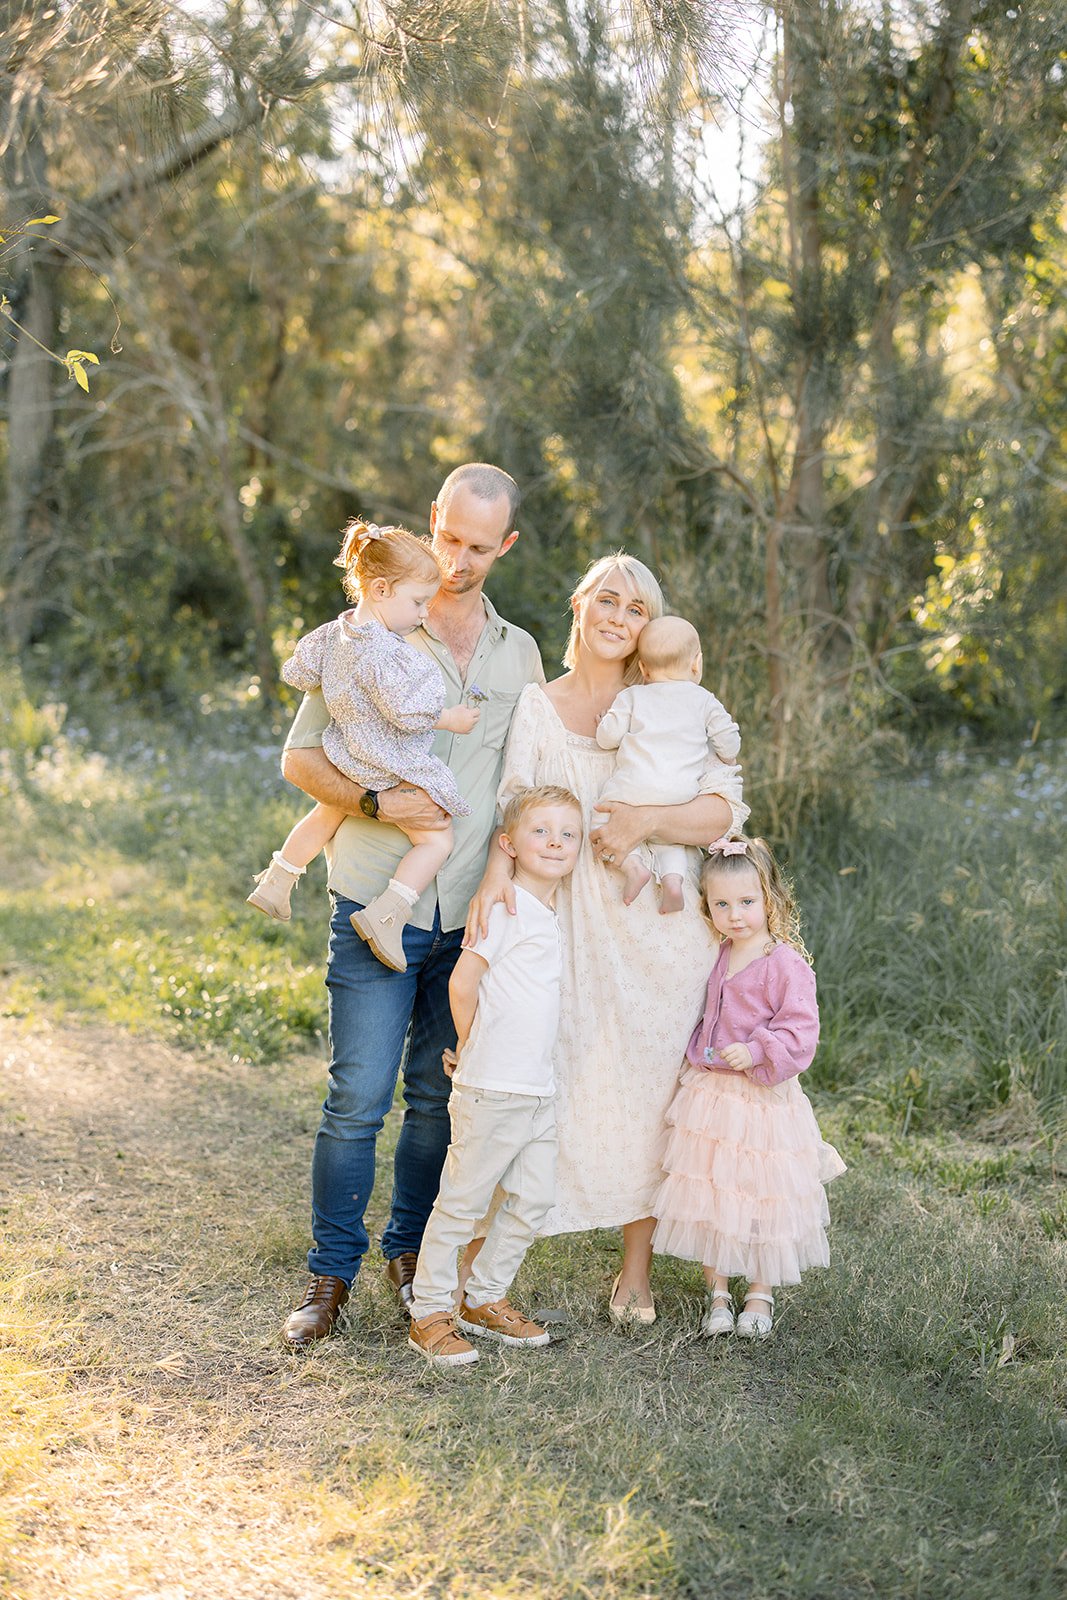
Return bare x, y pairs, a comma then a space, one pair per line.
495, 626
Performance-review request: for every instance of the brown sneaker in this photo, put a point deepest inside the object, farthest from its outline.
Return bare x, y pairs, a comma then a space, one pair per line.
436, 1338
318, 1313
401, 1274
500, 1321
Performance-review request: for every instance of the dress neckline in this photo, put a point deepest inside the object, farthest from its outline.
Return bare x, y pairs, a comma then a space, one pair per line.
579, 738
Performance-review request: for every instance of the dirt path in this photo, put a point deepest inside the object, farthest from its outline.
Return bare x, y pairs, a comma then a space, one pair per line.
162, 1442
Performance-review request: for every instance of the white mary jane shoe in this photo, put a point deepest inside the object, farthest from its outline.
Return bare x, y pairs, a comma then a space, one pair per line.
755, 1324
719, 1317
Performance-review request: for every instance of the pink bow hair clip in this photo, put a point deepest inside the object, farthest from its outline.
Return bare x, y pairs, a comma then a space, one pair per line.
729, 847
354, 539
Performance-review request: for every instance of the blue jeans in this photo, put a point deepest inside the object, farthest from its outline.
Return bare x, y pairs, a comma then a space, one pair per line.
374, 1012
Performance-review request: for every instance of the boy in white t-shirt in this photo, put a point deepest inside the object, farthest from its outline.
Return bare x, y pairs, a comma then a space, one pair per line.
504, 993
666, 730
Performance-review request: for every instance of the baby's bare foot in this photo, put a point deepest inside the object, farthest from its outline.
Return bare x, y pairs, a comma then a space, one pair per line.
635, 875
671, 894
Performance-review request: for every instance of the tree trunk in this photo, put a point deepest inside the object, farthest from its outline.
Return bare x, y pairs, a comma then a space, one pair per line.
802, 26
31, 531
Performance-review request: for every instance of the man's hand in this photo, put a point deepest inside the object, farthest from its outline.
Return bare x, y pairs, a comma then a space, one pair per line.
407, 807
738, 1057
458, 719
626, 827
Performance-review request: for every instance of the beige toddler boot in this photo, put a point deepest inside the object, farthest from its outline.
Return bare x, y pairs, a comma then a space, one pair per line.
382, 925
274, 885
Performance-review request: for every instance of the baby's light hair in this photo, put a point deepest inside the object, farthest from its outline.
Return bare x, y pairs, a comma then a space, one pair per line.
636, 577
395, 554
783, 917
526, 800
667, 644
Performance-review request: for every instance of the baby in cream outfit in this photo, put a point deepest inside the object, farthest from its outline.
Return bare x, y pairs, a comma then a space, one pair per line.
663, 729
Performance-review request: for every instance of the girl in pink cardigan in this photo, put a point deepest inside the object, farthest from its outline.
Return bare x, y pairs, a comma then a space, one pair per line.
745, 1163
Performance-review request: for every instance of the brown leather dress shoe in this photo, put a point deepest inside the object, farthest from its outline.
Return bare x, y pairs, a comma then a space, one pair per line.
401, 1274
317, 1314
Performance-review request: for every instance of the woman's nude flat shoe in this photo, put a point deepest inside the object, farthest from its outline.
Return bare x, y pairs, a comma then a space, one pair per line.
632, 1313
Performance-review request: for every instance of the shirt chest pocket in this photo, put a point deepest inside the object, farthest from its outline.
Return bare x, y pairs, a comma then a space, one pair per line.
496, 717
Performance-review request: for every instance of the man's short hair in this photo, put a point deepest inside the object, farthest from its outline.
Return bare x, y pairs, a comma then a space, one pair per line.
527, 800
488, 483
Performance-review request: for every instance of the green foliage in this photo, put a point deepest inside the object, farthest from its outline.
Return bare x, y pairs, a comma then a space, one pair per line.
126, 894
493, 235
933, 906
937, 923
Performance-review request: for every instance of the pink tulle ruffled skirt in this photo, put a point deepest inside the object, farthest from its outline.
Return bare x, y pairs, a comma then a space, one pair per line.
745, 1169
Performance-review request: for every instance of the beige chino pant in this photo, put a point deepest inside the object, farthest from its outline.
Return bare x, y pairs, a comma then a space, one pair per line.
497, 1138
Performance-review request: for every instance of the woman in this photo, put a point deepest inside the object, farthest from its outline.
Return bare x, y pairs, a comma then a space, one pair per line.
633, 981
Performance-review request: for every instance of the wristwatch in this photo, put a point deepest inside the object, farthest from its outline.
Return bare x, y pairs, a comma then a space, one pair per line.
368, 803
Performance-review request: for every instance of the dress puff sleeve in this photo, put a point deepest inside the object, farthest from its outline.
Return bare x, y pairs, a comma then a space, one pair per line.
523, 751
304, 667
784, 1046
405, 686
725, 781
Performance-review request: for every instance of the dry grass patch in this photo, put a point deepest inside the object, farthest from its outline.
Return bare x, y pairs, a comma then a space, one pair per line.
162, 1445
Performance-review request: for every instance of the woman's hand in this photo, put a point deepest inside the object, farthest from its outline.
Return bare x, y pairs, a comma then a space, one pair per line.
693, 822
626, 827
496, 886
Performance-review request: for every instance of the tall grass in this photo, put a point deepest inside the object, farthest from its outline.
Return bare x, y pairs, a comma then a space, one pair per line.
937, 916
936, 909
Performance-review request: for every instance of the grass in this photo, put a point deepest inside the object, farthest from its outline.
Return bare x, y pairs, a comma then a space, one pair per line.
901, 1436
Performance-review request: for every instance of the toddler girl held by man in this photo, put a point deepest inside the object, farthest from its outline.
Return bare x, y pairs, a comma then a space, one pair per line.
386, 699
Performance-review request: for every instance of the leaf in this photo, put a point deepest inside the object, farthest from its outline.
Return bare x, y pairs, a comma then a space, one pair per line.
75, 360
41, 222
1007, 1350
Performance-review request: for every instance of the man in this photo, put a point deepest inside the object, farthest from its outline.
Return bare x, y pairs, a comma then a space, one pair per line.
373, 1009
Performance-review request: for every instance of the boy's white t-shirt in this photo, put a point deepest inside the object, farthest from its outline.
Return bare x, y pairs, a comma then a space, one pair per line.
514, 1031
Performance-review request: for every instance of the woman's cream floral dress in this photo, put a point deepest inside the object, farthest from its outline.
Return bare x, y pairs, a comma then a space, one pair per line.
633, 988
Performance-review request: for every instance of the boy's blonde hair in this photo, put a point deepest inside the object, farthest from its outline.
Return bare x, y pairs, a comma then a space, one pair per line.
526, 800
395, 554
637, 577
783, 917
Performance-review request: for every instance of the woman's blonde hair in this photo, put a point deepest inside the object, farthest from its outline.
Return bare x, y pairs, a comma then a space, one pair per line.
637, 577
783, 917
395, 554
